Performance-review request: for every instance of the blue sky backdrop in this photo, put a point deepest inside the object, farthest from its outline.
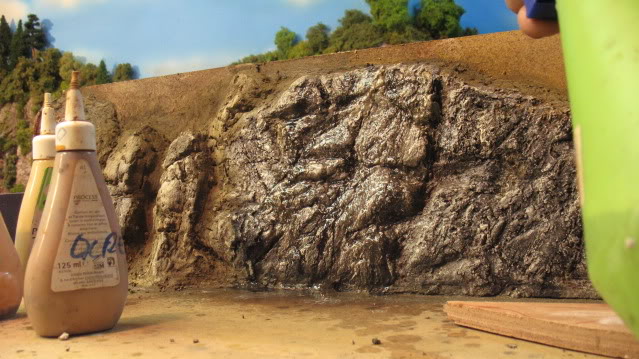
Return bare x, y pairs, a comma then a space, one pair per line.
167, 36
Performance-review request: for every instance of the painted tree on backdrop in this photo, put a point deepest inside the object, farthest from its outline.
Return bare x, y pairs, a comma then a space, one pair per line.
5, 45
391, 15
123, 72
440, 19
318, 37
28, 67
24, 40
390, 22
103, 76
285, 39
34, 36
18, 46
356, 31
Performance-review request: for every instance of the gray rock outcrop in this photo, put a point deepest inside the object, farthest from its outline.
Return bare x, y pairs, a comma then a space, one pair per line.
401, 178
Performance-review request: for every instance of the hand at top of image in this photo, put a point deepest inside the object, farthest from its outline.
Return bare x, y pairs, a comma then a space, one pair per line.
534, 28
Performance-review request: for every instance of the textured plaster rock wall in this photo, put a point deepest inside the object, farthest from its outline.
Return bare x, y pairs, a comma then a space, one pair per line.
393, 178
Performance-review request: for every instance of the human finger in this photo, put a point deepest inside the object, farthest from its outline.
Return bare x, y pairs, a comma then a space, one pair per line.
515, 5
536, 28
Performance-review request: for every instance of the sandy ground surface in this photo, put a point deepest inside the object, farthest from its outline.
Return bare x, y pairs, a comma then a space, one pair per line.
241, 324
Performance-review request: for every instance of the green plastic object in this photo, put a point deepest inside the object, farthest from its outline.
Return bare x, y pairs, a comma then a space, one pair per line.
601, 50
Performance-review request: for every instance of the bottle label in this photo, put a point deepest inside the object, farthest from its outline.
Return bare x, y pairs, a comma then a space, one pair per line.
88, 251
42, 199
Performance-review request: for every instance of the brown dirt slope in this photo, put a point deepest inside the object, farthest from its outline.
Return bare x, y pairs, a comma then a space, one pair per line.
506, 60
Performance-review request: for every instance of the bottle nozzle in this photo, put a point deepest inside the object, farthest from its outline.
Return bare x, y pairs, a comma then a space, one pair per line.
74, 105
46, 125
75, 80
44, 141
47, 99
75, 133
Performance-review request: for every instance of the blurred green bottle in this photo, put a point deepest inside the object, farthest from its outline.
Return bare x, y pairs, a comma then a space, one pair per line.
601, 48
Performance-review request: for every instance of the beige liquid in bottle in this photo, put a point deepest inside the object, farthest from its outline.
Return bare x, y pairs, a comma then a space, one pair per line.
35, 195
76, 279
10, 275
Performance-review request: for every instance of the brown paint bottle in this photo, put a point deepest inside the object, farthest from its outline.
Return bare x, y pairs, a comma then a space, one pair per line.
76, 278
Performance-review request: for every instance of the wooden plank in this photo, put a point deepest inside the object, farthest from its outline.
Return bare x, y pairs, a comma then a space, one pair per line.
590, 328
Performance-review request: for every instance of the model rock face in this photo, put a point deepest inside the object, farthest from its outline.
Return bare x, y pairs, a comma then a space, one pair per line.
10, 275
405, 178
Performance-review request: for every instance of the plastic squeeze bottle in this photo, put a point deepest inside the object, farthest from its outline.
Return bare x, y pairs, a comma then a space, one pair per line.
35, 194
76, 279
602, 65
10, 275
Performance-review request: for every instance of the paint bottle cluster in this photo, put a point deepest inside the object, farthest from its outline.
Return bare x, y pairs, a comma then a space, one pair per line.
70, 260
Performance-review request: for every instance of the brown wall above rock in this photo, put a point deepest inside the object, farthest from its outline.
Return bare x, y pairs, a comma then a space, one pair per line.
506, 60
440, 168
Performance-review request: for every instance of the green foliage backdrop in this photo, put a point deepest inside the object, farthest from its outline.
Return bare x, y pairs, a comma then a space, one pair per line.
29, 67
390, 22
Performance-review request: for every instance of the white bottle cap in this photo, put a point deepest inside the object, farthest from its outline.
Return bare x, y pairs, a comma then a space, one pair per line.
44, 142
75, 133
